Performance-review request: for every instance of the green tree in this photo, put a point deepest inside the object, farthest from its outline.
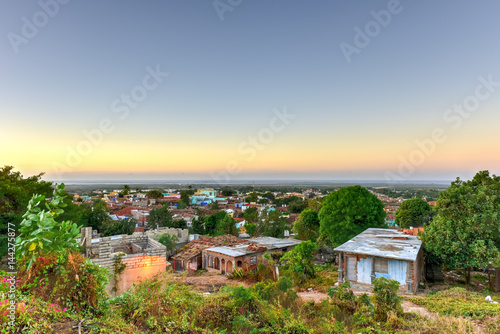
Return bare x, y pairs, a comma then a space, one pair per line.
414, 212
161, 217
272, 224
40, 234
263, 201
251, 229
169, 241
184, 200
251, 198
227, 225
349, 211
15, 194
199, 225
297, 206
214, 206
179, 223
154, 194
299, 262
213, 222
111, 227
95, 215
228, 192
307, 226
466, 231
251, 215
126, 190
316, 203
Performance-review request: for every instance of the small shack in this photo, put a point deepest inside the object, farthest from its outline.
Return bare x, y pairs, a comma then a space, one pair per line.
244, 256
377, 252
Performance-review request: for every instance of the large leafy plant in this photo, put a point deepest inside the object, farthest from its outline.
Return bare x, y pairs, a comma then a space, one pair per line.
40, 234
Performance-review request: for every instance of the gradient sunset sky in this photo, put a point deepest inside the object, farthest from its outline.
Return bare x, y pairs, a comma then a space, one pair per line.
233, 67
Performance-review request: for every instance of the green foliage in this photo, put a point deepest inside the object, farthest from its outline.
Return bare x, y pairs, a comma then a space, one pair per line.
40, 234
459, 302
251, 229
251, 215
220, 223
118, 268
349, 211
157, 194
95, 215
226, 226
184, 200
161, 217
414, 212
228, 192
299, 262
252, 198
69, 281
466, 231
272, 224
386, 298
126, 226
169, 241
15, 194
307, 226
199, 225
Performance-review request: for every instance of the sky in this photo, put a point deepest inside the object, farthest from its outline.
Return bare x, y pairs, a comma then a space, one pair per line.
250, 90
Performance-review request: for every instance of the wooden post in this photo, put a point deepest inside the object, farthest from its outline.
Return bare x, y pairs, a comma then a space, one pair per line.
340, 269
497, 279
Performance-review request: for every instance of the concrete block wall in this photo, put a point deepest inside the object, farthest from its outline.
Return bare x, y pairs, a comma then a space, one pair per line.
181, 234
106, 246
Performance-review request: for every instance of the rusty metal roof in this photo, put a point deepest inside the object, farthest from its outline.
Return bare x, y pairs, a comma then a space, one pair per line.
384, 243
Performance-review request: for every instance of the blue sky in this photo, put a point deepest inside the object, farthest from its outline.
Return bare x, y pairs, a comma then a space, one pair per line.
352, 120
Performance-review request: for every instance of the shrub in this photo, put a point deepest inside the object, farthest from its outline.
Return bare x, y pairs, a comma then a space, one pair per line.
386, 298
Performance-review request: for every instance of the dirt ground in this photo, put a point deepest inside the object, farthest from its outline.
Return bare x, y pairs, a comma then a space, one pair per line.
207, 281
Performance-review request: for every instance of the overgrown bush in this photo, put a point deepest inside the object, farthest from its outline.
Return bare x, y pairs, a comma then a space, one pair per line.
69, 281
386, 298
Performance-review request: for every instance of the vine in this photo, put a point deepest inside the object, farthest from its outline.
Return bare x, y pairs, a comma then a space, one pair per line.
118, 268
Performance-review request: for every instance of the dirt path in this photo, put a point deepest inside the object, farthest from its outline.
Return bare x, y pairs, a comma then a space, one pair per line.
207, 282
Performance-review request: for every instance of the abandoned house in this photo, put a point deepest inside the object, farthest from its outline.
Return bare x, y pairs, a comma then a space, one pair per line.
378, 252
245, 256
189, 258
143, 256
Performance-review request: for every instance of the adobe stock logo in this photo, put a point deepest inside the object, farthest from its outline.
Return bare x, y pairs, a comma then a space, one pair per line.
31, 27
372, 29
223, 6
453, 116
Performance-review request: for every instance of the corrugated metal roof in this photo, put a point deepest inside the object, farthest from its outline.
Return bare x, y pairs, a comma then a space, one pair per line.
391, 244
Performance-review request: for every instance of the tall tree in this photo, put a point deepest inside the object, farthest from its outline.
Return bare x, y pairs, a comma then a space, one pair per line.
466, 231
154, 194
126, 190
307, 226
95, 215
414, 212
161, 217
126, 226
199, 225
272, 224
348, 212
227, 225
15, 194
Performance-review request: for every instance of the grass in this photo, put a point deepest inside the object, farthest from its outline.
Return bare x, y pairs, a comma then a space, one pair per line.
459, 302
